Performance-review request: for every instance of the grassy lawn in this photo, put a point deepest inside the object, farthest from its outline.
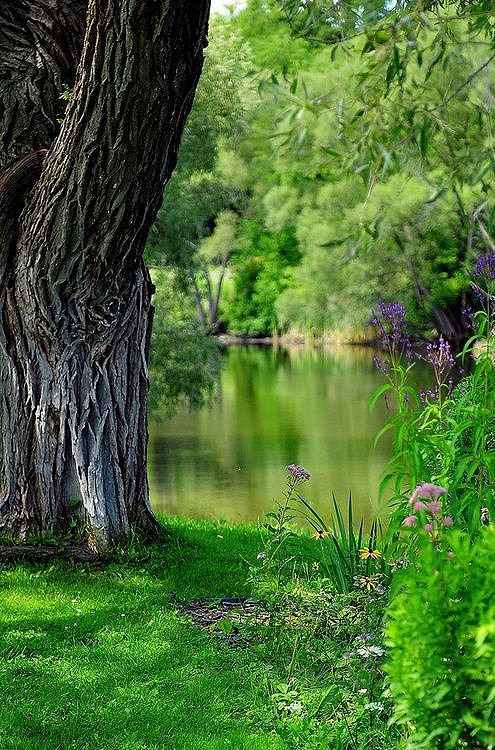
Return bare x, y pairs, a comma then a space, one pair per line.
101, 659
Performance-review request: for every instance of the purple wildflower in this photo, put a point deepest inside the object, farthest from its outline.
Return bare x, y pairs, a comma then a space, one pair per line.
480, 294
448, 521
435, 507
467, 314
410, 521
439, 356
298, 474
390, 322
428, 395
484, 268
485, 516
382, 365
428, 527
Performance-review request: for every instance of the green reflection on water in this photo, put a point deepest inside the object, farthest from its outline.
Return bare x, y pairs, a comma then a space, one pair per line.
276, 406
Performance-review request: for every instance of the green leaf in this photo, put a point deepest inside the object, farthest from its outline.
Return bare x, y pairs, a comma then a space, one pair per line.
377, 394
321, 522
435, 62
381, 433
489, 166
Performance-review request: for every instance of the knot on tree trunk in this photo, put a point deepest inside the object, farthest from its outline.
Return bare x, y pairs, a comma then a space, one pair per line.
17, 179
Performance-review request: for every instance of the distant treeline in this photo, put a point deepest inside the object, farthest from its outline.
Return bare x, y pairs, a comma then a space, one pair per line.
331, 162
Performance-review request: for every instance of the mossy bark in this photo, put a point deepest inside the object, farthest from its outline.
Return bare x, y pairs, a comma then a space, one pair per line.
75, 295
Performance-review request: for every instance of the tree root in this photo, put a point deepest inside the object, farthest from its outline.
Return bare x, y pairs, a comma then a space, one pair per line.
29, 553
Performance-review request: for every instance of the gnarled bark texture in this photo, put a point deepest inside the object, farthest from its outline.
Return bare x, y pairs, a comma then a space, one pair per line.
74, 291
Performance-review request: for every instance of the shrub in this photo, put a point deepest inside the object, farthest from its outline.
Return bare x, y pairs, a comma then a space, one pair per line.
441, 639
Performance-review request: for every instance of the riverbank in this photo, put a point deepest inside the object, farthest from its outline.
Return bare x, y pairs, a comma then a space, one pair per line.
100, 657
293, 338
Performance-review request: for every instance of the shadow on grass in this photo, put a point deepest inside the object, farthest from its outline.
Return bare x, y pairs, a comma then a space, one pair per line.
99, 660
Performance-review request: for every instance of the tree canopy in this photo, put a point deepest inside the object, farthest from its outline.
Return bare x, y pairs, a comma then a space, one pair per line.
366, 161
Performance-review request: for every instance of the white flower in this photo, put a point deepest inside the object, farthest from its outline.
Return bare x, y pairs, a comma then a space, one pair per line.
363, 691
374, 706
294, 708
366, 651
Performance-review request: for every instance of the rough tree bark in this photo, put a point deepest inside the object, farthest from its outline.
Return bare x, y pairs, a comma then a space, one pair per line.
74, 291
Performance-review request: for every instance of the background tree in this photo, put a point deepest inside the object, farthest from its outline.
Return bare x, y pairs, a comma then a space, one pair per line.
417, 107
370, 157
195, 231
184, 363
75, 293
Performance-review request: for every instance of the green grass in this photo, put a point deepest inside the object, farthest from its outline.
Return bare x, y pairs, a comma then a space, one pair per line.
97, 659
100, 659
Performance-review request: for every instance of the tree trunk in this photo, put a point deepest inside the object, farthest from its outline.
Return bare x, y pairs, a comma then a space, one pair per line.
75, 294
215, 301
199, 304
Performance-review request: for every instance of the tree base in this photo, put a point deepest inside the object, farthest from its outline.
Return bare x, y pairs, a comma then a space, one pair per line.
28, 553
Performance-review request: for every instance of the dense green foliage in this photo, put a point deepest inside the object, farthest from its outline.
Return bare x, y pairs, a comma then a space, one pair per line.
195, 232
441, 637
441, 662
261, 272
354, 161
184, 363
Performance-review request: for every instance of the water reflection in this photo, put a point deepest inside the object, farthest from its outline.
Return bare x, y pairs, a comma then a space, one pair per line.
275, 406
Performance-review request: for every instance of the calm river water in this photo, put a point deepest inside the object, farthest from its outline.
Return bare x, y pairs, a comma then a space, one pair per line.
275, 406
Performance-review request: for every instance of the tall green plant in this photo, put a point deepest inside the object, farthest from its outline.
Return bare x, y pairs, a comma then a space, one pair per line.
446, 435
347, 558
347, 561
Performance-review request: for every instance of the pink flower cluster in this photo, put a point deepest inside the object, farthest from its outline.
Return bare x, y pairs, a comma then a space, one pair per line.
432, 509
